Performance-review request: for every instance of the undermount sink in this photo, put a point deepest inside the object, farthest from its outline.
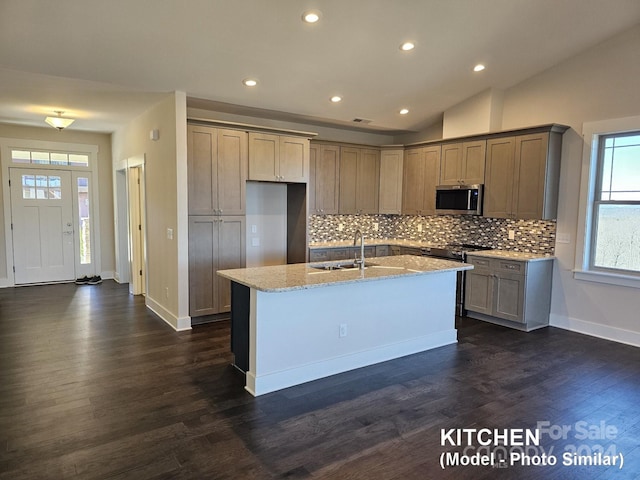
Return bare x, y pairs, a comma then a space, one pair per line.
339, 266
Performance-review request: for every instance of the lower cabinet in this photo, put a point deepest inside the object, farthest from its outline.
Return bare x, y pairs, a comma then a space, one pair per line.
215, 243
509, 292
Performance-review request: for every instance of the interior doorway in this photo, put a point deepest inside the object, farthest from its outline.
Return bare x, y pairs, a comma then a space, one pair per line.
137, 230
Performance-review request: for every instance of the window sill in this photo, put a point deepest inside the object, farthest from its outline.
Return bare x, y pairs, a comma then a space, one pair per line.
608, 278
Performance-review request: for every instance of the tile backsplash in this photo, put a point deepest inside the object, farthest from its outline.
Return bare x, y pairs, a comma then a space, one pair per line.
536, 236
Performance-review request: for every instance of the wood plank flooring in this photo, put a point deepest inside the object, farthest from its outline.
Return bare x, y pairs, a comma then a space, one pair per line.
95, 386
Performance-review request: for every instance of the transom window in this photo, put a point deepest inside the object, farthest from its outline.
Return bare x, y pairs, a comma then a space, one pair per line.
615, 244
39, 157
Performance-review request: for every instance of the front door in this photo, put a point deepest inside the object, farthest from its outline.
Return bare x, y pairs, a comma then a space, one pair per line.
42, 222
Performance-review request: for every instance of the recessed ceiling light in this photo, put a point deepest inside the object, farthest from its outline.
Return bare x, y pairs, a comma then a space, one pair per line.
478, 68
336, 98
404, 111
311, 17
250, 82
406, 46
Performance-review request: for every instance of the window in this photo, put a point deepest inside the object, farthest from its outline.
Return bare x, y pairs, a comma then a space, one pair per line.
85, 220
41, 187
36, 157
615, 244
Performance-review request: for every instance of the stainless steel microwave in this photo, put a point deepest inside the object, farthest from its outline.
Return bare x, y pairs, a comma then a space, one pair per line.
459, 199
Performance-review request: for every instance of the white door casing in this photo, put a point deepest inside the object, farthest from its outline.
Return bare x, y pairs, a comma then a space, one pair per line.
43, 225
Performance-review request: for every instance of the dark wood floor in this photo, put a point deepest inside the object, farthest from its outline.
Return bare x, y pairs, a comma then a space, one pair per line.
93, 385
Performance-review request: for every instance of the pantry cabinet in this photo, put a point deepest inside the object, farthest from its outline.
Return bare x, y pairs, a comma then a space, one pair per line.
421, 176
522, 176
359, 180
324, 178
217, 170
215, 243
278, 158
463, 163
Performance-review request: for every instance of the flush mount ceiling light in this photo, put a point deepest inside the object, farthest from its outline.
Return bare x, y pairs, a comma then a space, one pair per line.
249, 82
59, 122
311, 16
404, 111
407, 46
478, 68
336, 98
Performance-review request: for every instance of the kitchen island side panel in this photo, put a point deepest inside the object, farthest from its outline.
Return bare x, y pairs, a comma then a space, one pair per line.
295, 335
240, 298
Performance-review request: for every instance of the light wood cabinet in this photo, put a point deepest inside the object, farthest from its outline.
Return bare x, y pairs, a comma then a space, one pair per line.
359, 180
421, 176
509, 292
522, 176
391, 177
215, 243
463, 163
324, 179
217, 170
278, 158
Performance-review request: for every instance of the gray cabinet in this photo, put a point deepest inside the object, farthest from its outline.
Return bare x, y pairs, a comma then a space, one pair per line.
278, 158
390, 196
215, 243
359, 180
421, 176
324, 179
509, 292
522, 176
463, 163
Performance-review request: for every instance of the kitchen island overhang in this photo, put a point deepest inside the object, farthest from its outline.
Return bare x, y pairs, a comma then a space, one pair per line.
295, 323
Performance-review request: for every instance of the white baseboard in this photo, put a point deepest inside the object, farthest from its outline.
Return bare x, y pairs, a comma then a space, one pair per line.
605, 332
179, 324
108, 275
259, 385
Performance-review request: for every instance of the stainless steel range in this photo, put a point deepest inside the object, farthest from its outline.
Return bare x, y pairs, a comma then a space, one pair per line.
456, 252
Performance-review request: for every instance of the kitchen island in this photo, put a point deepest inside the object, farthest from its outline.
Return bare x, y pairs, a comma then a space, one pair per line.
296, 323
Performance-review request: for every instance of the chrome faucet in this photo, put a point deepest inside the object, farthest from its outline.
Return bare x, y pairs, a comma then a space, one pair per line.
359, 261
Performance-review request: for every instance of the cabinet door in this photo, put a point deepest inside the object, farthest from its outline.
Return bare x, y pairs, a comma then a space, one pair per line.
231, 171
294, 160
203, 264
508, 297
478, 291
530, 175
431, 177
390, 199
413, 185
473, 162
348, 174
451, 164
231, 254
264, 152
368, 182
327, 179
498, 188
201, 170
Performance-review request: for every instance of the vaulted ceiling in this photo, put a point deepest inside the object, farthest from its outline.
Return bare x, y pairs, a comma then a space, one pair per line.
104, 62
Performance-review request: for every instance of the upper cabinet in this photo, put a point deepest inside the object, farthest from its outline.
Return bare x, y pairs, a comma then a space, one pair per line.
277, 158
463, 163
217, 170
359, 180
421, 176
390, 194
324, 172
522, 176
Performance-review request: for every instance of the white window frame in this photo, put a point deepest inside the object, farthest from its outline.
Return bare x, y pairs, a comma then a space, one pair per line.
91, 171
592, 132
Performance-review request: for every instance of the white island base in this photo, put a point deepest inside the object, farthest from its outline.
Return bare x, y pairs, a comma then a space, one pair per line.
300, 335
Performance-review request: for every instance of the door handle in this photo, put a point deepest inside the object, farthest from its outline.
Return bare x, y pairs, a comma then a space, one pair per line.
68, 232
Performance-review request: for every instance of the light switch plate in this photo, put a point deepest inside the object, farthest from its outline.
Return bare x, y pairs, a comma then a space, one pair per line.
255, 241
563, 238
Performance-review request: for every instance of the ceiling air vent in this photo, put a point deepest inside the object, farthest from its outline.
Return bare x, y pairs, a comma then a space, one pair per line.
361, 120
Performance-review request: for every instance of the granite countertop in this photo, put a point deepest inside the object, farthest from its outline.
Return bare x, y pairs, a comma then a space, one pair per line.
372, 242
279, 278
511, 255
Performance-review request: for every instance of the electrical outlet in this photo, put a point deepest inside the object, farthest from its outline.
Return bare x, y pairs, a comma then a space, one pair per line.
170, 233
166, 293
375, 227
563, 238
512, 234
343, 330
340, 227
419, 227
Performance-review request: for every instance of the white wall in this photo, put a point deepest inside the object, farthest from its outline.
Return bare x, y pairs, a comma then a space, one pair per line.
599, 84
166, 203
481, 113
267, 212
